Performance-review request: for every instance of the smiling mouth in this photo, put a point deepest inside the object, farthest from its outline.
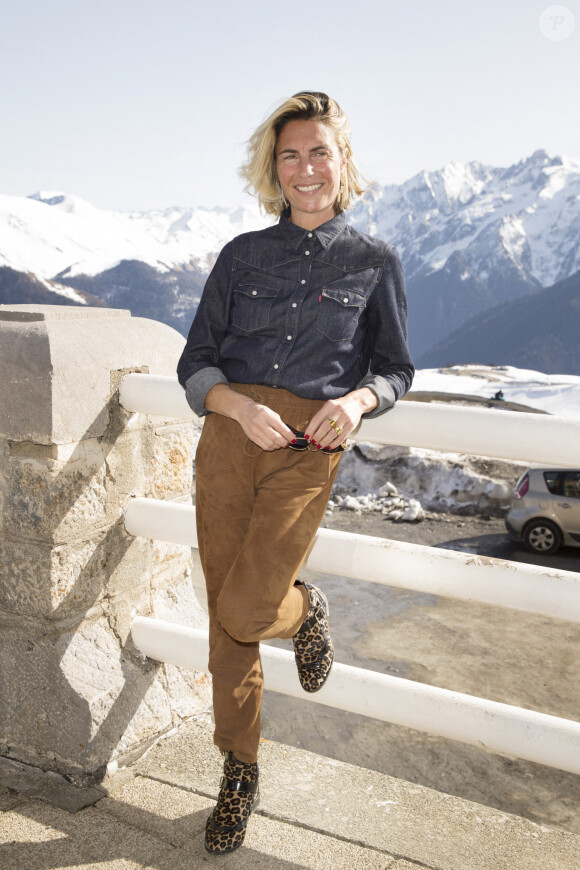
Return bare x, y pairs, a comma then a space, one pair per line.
307, 188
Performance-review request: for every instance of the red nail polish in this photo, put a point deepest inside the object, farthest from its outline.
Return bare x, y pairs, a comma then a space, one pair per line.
293, 441
306, 435
319, 447
313, 442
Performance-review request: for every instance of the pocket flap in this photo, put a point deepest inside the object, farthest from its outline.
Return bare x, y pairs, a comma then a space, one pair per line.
255, 290
346, 297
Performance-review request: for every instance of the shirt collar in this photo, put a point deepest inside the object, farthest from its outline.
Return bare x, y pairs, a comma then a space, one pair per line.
326, 233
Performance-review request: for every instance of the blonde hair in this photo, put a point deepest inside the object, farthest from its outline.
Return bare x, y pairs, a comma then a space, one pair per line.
259, 170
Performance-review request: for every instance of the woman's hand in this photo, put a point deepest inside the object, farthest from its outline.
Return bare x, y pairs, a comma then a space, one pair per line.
262, 425
345, 413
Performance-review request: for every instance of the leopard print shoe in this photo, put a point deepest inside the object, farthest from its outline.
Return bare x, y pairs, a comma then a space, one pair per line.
226, 827
313, 647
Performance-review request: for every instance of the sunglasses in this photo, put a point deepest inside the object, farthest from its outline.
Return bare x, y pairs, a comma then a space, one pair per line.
302, 443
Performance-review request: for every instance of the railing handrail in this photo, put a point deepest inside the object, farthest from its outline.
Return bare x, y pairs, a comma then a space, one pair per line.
433, 570
540, 439
499, 727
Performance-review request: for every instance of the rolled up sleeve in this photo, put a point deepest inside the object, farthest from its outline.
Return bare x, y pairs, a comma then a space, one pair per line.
198, 386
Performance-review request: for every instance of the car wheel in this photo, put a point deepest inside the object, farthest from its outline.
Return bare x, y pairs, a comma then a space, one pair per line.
542, 536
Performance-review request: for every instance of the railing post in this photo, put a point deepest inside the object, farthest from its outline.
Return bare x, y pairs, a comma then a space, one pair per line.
75, 694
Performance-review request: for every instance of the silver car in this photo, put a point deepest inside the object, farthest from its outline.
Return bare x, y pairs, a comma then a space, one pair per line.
545, 510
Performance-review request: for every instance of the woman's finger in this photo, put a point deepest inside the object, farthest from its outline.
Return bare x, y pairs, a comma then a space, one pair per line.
327, 435
335, 415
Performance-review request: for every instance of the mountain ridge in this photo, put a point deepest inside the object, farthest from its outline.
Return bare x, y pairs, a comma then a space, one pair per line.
470, 236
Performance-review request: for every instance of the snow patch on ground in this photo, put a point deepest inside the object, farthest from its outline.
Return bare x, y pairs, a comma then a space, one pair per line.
404, 485
387, 501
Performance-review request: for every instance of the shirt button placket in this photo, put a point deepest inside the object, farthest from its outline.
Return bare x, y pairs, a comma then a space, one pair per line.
306, 265
294, 313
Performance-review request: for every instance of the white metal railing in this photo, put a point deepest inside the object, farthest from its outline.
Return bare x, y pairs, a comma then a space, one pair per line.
534, 438
436, 571
486, 724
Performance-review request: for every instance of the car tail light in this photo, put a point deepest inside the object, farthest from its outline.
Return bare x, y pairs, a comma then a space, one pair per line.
522, 487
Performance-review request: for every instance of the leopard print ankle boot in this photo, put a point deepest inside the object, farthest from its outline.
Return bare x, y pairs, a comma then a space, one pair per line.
226, 827
313, 647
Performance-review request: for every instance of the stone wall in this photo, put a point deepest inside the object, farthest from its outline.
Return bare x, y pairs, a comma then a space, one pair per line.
75, 695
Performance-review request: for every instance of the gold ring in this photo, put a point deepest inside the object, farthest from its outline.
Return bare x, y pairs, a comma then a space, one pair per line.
332, 423
339, 430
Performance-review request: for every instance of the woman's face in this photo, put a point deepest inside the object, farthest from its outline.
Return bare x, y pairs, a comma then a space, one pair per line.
309, 165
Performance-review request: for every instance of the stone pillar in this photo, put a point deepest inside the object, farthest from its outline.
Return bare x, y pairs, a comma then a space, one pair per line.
75, 695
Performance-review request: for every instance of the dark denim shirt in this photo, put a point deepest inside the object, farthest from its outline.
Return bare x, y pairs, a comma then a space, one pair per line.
319, 313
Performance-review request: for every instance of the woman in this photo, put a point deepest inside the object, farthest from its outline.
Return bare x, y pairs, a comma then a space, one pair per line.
300, 332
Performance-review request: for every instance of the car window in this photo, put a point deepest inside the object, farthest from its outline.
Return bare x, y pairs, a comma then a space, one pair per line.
571, 484
552, 479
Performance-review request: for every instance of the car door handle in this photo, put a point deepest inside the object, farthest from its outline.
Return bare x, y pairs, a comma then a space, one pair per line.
564, 504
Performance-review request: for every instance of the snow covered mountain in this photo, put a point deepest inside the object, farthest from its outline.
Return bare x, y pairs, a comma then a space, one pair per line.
154, 263
528, 214
55, 234
471, 237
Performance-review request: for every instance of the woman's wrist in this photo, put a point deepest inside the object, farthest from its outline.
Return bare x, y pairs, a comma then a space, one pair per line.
221, 399
367, 398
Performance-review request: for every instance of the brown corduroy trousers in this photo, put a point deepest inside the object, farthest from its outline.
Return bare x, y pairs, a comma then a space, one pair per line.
257, 514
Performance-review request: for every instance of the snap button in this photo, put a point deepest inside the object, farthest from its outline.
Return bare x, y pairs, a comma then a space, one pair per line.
303, 281
345, 299
289, 337
309, 235
254, 292
294, 304
275, 365
306, 253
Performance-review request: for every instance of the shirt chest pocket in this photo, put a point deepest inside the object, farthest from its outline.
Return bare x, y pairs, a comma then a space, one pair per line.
340, 312
251, 306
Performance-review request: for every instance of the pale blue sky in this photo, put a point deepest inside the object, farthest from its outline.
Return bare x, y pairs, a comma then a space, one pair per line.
138, 104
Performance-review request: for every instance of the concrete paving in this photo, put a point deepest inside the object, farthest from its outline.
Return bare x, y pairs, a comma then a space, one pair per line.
315, 813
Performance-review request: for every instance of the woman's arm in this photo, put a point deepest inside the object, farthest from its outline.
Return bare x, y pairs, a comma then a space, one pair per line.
198, 369
390, 366
206, 386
